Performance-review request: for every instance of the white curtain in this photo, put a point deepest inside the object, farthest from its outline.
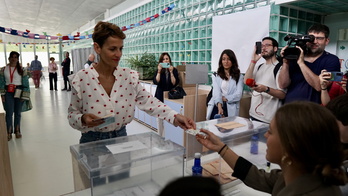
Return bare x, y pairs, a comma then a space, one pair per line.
80, 56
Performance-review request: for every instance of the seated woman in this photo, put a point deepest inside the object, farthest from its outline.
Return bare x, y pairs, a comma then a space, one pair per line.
227, 87
304, 140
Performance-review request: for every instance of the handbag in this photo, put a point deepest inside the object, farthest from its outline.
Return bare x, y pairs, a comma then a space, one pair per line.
215, 111
176, 93
27, 105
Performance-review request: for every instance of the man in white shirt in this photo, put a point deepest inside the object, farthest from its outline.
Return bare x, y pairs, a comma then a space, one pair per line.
267, 98
90, 61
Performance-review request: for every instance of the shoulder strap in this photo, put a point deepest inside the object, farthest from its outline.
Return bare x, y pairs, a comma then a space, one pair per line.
259, 66
276, 69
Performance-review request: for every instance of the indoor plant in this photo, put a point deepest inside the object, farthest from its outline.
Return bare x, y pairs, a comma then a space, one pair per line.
146, 65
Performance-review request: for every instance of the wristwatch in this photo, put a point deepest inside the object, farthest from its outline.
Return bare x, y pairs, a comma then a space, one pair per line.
267, 90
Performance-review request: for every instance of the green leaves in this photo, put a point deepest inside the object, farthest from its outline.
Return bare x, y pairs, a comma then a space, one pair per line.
146, 65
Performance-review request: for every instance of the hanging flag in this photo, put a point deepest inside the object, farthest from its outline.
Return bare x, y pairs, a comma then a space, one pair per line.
27, 33
14, 32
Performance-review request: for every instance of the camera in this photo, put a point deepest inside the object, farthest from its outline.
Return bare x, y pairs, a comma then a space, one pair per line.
296, 40
165, 65
258, 48
336, 76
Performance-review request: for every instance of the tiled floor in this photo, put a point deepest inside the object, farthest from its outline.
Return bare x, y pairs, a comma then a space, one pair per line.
40, 161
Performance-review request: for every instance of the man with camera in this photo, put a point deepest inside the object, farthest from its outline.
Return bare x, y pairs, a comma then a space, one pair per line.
267, 98
301, 76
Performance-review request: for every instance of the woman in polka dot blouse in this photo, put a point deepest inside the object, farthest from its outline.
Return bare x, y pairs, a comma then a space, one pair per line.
108, 90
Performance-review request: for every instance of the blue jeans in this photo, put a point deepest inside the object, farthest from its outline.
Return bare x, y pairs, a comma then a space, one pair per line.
12, 106
92, 136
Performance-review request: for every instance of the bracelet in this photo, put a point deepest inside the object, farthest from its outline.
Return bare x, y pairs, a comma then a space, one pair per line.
252, 61
222, 155
324, 89
222, 149
159, 72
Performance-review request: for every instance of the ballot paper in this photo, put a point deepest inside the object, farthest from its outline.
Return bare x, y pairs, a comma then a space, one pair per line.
195, 132
108, 119
126, 147
229, 125
219, 170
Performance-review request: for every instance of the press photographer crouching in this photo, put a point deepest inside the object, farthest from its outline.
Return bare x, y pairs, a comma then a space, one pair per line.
300, 71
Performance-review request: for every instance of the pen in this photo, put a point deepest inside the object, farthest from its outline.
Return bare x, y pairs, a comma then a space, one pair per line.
268, 165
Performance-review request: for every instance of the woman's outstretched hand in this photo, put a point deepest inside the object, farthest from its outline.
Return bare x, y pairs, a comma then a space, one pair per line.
210, 141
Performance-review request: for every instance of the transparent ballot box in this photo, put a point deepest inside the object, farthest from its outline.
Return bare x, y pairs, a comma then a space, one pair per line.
243, 136
133, 165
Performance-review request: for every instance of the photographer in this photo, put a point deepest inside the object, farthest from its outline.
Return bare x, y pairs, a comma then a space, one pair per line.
165, 79
301, 78
267, 98
331, 89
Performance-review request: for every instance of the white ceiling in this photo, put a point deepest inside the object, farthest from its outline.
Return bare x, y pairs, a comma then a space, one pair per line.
51, 16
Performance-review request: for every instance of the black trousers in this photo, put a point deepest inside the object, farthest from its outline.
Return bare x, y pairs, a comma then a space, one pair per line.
66, 81
53, 80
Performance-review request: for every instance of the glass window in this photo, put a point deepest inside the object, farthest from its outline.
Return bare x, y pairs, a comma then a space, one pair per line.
228, 3
210, 6
195, 10
202, 21
219, 4
203, 8
195, 22
202, 44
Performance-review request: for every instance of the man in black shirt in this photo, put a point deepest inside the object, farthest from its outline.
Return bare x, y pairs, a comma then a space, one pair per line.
66, 72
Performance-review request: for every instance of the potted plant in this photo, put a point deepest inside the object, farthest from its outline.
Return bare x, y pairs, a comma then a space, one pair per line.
146, 65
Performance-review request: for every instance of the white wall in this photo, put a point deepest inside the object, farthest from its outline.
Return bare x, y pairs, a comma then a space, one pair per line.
125, 7
336, 22
239, 31
113, 12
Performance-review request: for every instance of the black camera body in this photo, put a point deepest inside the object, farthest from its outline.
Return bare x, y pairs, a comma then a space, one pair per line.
292, 53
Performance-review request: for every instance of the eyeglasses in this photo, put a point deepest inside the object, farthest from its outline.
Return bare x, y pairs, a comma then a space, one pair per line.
320, 38
266, 45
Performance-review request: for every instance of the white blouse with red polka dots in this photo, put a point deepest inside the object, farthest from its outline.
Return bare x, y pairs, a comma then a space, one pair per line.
89, 96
